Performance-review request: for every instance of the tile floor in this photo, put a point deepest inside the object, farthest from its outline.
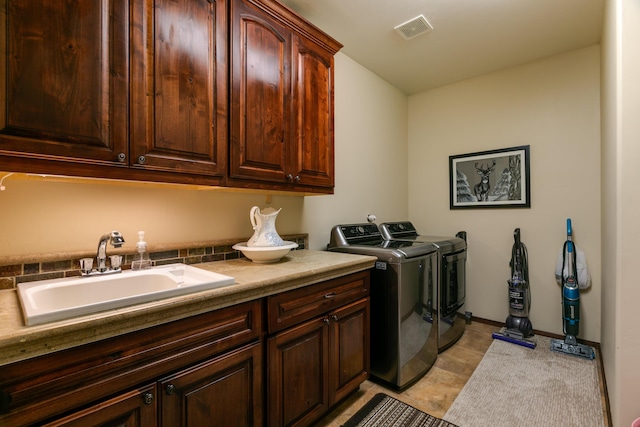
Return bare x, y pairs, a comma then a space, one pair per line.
437, 390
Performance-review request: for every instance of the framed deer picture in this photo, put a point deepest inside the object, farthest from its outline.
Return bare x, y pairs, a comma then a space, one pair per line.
490, 179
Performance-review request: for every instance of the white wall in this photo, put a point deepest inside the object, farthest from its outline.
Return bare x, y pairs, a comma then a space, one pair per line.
553, 106
610, 70
621, 230
41, 216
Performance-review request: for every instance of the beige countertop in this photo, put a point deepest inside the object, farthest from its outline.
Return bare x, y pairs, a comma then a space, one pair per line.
297, 269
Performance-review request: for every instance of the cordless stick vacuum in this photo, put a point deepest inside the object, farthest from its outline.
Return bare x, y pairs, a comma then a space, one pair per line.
518, 327
571, 303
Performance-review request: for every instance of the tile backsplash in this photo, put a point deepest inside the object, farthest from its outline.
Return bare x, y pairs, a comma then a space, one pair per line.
16, 272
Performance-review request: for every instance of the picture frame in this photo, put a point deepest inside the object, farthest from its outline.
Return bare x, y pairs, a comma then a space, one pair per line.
490, 179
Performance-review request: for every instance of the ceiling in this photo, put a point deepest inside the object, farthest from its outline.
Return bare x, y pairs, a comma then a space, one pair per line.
469, 37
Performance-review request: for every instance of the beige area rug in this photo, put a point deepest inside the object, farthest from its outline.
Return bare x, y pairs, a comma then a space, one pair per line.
519, 386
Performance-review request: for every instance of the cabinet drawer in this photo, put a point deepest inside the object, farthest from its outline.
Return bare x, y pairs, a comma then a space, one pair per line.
46, 386
133, 408
289, 308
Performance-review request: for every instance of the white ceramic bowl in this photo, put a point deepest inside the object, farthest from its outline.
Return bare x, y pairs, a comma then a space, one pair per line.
265, 254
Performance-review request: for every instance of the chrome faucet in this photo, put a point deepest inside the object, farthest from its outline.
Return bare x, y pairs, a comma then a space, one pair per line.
116, 240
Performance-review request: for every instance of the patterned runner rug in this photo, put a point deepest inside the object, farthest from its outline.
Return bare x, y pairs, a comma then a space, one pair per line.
385, 411
519, 386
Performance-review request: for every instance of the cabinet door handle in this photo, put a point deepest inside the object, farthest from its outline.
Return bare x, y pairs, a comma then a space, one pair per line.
147, 398
293, 178
142, 160
326, 320
170, 389
334, 317
122, 157
330, 295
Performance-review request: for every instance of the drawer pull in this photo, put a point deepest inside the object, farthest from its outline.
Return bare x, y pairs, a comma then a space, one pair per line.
147, 398
170, 389
330, 295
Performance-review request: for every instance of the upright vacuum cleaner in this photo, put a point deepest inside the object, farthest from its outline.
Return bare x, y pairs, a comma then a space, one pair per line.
518, 327
568, 275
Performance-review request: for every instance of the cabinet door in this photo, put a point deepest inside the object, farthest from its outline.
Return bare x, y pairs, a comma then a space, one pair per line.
298, 374
312, 154
137, 408
226, 391
349, 349
179, 89
260, 94
64, 80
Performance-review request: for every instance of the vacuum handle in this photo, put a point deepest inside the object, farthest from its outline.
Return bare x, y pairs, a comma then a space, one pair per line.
517, 256
570, 256
569, 240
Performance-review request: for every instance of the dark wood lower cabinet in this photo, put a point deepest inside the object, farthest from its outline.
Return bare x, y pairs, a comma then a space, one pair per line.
349, 349
206, 370
137, 408
318, 362
223, 392
211, 363
298, 390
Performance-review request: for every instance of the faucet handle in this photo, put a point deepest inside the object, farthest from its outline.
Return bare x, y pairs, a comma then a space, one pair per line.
116, 261
86, 265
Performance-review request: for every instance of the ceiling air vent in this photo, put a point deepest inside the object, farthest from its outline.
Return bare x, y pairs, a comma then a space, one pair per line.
414, 27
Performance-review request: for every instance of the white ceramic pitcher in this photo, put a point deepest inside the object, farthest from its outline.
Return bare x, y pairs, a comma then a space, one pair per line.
264, 227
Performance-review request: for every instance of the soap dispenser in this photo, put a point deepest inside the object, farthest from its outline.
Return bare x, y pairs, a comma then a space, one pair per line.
141, 259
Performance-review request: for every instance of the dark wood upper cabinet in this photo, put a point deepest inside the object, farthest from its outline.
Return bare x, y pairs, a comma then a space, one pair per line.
281, 116
260, 94
312, 161
179, 86
65, 74
116, 89
232, 93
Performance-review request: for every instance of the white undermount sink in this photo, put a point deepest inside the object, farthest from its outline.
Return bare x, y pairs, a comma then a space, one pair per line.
57, 299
